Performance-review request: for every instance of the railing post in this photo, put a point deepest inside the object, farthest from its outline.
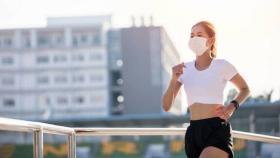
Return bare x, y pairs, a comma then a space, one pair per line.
38, 144
279, 124
71, 145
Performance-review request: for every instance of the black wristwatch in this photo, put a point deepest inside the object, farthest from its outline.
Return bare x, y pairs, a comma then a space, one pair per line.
235, 103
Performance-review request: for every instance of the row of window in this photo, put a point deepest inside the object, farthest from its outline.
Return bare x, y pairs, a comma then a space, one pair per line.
79, 40
75, 100
64, 79
56, 59
64, 58
50, 40
53, 40
9, 81
59, 100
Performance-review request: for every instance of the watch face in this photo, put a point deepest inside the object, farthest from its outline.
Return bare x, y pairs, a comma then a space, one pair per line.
235, 103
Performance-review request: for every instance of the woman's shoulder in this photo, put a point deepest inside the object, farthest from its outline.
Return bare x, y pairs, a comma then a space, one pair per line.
222, 62
226, 66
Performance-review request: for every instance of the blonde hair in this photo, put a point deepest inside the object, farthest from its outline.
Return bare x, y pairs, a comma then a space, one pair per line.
211, 31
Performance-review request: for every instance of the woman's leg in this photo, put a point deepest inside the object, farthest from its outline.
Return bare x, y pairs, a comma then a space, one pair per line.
213, 152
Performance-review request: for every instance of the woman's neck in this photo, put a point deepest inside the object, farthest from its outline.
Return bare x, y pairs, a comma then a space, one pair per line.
203, 61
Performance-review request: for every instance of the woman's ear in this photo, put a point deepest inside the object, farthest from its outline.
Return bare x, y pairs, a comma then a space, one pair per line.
211, 41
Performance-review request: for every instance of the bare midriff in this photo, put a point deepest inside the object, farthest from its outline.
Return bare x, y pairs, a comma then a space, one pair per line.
202, 111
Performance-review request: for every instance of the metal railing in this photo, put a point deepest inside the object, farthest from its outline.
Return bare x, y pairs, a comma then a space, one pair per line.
39, 129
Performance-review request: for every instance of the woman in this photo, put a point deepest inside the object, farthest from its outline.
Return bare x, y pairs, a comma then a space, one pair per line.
204, 80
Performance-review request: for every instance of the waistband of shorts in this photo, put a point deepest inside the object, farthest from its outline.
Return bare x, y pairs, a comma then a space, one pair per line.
207, 120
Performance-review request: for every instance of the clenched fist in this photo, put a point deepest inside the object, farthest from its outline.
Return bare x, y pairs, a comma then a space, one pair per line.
177, 70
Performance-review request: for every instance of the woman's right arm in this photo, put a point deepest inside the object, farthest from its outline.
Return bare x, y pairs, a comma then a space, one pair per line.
173, 88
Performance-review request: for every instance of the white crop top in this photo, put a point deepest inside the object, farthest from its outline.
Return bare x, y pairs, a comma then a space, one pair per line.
206, 86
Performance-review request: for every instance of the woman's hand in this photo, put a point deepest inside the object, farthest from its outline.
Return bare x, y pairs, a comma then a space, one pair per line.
225, 112
173, 87
177, 70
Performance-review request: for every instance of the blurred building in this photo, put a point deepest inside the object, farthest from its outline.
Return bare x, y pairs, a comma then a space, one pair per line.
81, 68
140, 61
56, 72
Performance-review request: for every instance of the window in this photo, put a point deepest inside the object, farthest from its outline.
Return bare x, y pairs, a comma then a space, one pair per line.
50, 39
43, 41
48, 101
96, 40
8, 42
8, 81
81, 39
78, 78
42, 80
7, 60
61, 79
58, 40
75, 41
62, 100
78, 100
97, 99
96, 78
95, 57
26, 43
42, 59
9, 102
78, 57
60, 58
84, 39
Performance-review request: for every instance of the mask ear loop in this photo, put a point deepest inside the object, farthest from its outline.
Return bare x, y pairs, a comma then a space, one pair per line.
211, 49
211, 54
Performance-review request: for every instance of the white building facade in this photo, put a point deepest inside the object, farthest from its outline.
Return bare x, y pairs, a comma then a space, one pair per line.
56, 72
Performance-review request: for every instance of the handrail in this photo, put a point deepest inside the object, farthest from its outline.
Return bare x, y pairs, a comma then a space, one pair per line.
18, 125
256, 137
128, 131
29, 126
26, 126
39, 129
55, 129
167, 131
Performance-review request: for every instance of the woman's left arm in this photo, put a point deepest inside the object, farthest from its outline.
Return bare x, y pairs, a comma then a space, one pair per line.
243, 92
242, 87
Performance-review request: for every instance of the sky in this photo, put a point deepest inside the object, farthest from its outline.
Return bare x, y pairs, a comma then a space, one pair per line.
247, 30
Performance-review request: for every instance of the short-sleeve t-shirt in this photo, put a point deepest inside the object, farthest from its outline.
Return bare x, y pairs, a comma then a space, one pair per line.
206, 86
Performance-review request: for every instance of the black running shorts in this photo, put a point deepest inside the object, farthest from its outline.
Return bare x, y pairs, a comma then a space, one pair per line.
202, 133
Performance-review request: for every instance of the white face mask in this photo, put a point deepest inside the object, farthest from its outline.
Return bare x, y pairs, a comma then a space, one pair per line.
198, 45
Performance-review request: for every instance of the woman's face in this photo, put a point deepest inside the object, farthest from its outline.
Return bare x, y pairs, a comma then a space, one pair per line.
199, 31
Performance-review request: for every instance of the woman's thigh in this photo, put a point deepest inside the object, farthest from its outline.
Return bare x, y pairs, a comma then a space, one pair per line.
213, 152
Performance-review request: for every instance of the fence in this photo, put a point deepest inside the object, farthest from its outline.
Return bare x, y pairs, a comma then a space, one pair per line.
38, 129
